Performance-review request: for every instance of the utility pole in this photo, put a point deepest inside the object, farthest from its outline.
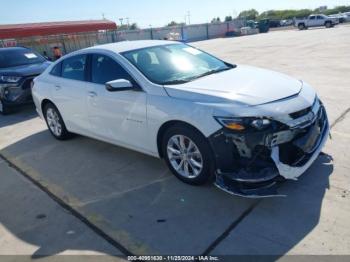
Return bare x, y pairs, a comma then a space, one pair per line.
189, 17
127, 19
103, 16
121, 21
150, 26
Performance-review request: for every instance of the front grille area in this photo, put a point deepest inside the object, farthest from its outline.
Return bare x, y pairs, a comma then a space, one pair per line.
292, 153
300, 113
304, 111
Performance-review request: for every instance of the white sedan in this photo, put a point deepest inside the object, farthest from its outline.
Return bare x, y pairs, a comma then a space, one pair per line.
243, 127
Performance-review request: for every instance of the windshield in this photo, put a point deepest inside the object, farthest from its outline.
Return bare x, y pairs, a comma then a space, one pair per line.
174, 63
18, 57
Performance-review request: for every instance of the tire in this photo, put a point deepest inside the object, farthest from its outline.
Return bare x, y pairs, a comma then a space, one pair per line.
4, 110
301, 27
328, 24
55, 122
196, 154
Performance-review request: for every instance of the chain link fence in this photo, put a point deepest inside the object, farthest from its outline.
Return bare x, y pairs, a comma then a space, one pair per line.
71, 42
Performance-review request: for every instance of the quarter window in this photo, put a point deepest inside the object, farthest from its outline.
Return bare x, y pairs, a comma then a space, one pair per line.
105, 69
74, 67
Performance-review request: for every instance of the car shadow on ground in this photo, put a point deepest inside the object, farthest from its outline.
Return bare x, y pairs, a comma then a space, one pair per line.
21, 114
134, 199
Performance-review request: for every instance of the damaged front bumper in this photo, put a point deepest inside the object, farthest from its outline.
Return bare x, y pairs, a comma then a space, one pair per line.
252, 164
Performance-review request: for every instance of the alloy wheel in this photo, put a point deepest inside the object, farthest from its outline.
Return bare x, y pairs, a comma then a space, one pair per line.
53, 121
184, 156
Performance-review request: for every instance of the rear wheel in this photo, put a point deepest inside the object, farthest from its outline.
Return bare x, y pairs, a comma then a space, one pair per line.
187, 154
301, 26
55, 122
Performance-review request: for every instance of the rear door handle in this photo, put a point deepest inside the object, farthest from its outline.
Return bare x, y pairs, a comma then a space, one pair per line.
92, 94
57, 87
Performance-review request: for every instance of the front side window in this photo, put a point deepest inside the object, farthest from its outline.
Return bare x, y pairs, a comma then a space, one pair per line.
11, 57
174, 63
105, 69
74, 67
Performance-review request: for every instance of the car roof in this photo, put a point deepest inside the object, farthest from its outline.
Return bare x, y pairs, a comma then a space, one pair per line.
131, 45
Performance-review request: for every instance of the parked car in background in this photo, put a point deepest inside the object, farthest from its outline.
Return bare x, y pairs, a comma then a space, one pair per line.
341, 17
347, 16
316, 20
245, 127
274, 23
287, 22
18, 67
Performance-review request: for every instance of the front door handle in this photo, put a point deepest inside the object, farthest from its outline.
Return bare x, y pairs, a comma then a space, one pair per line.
92, 94
58, 87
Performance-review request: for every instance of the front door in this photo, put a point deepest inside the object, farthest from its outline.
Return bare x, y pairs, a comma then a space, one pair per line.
118, 116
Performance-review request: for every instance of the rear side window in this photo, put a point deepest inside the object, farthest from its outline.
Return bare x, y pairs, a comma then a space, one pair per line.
105, 69
74, 67
56, 70
312, 17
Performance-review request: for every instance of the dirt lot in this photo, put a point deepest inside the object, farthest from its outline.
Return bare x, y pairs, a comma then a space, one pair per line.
84, 196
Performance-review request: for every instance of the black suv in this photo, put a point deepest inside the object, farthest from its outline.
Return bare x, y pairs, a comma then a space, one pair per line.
18, 67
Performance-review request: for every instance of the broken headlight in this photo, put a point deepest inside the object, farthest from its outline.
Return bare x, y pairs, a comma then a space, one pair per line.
244, 123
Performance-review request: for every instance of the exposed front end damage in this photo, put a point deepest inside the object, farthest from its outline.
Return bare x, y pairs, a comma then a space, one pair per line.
251, 163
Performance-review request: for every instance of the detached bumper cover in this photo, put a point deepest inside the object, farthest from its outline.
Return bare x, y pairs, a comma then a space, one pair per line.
257, 173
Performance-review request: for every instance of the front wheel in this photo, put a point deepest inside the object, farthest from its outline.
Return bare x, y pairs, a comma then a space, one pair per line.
328, 24
188, 154
55, 122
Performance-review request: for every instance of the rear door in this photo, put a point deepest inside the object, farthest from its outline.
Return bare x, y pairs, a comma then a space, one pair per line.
69, 93
312, 21
116, 116
320, 20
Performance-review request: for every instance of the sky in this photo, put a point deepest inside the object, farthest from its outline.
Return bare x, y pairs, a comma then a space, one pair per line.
145, 13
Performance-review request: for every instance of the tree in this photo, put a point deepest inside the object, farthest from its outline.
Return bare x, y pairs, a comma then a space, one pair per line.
250, 14
173, 23
228, 18
337, 9
285, 14
216, 20
133, 26
301, 13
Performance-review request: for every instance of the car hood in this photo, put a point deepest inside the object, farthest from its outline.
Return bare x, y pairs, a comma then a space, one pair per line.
25, 70
243, 84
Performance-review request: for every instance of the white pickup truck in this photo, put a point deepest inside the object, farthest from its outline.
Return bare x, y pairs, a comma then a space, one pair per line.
316, 20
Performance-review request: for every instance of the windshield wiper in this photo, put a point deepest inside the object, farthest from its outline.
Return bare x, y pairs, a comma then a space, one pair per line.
210, 72
175, 82
186, 80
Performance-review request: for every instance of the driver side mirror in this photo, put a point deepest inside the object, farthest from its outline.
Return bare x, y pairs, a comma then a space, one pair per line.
119, 85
